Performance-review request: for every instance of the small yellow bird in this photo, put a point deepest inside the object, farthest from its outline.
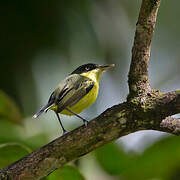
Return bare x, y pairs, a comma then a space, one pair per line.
76, 92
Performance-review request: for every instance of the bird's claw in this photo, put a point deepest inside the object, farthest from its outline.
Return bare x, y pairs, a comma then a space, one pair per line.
64, 133
85, 122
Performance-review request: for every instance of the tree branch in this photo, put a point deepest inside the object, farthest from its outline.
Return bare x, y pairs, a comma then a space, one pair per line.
138, 74
144, 109
108, 126
115, 122
171, 125
167, 104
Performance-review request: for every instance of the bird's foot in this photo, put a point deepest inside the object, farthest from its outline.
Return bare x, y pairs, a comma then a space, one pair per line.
65, 132
85, 122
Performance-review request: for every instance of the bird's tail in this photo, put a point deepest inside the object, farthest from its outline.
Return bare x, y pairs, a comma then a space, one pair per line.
43, 109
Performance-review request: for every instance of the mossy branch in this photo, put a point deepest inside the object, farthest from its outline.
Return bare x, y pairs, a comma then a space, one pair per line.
144, 109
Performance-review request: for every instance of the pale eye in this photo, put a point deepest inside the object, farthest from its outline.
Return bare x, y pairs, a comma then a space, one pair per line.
87, 68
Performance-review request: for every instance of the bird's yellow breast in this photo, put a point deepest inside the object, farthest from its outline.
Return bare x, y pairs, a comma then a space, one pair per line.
85, 102
89, 98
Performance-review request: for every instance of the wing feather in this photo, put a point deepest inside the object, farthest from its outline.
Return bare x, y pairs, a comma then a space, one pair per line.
76, 88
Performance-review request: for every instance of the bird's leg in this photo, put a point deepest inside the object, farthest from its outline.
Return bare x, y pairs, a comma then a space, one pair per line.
64, 131
84, 120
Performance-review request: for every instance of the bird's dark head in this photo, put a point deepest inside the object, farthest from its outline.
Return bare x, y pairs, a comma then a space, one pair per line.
85, 68
92, 71
90, 67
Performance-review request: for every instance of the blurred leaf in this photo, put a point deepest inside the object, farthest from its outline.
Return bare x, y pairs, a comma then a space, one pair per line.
11, 152
158, 161
8, 130
36, 141
32, 142
112, 159
66, 173
8, 109
45, 178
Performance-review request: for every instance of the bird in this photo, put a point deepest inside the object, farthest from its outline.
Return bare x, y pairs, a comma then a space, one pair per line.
76, 92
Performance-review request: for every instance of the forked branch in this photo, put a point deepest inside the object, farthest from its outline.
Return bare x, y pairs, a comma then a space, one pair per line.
144, 109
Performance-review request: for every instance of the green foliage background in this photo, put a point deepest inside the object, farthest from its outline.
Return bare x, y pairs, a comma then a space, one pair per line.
43, 41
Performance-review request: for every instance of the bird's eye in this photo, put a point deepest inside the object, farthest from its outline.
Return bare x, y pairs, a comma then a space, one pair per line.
87, 68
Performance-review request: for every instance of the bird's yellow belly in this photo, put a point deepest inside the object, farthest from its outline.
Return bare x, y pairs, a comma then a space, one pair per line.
86, 101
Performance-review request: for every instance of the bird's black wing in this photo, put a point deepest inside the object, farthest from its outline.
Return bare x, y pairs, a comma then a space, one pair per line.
74, 89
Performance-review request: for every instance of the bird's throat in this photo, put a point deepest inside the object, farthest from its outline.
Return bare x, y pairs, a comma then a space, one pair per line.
95, 75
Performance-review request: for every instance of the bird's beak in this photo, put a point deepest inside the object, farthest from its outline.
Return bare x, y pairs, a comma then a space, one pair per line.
105, 67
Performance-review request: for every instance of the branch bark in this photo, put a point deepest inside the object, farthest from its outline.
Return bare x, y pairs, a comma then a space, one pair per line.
138, 74
171, 125
144, 109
